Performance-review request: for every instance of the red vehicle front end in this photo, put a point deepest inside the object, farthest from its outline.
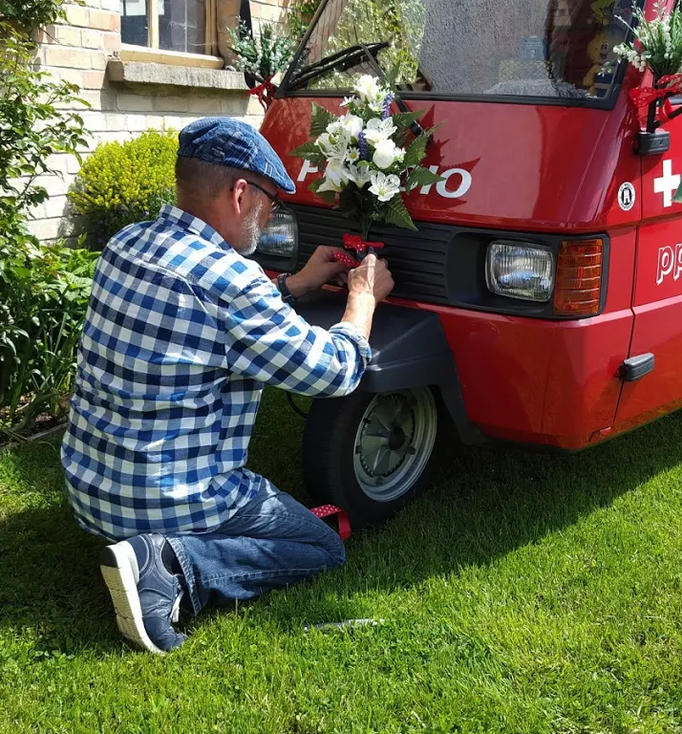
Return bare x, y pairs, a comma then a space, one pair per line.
549, 251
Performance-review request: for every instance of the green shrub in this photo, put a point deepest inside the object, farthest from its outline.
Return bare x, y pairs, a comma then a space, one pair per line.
44, 291
121, 183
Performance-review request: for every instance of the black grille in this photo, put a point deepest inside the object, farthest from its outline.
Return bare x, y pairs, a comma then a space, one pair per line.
418, 260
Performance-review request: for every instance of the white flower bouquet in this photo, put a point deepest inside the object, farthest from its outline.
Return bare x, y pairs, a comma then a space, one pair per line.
657, 43
369, 156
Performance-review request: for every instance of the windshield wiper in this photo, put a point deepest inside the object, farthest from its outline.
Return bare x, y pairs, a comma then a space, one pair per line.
341, 60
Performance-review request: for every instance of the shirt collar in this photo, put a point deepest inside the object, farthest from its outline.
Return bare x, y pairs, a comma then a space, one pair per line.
179, 218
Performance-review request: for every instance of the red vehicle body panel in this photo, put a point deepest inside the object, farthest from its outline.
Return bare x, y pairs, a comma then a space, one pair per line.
534, 168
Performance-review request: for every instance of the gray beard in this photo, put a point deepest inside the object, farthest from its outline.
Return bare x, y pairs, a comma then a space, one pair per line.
251, 233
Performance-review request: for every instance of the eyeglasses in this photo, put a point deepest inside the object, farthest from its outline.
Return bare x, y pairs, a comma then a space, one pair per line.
277, 204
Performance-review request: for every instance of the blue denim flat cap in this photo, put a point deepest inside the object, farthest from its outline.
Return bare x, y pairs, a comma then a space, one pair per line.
228, 142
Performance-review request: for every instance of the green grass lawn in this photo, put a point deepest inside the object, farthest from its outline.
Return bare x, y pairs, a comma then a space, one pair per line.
523, 593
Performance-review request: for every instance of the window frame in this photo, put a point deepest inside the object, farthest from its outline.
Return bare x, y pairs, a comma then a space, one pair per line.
210, 30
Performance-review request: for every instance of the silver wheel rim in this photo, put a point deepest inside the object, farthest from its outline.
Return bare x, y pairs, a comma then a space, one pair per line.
394, 442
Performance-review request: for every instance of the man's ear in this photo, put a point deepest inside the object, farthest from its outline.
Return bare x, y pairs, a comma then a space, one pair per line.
238, 195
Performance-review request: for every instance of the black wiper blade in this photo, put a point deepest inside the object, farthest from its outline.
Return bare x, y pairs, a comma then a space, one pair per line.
341, 60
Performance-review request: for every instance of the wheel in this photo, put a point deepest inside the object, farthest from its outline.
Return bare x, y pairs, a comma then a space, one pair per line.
370, 454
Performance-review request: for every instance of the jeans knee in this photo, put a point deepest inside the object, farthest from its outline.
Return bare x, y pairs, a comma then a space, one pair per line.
336, 549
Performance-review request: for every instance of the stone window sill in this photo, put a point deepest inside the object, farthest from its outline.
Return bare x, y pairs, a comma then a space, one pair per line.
139, 65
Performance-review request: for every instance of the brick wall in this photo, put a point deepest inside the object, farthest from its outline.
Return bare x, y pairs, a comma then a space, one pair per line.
81, 52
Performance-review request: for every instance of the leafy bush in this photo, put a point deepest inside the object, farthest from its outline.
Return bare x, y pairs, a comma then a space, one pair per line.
121, 183
44, 291
300, 14
31, 13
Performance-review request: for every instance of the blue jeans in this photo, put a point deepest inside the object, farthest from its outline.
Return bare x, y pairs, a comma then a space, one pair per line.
269, 543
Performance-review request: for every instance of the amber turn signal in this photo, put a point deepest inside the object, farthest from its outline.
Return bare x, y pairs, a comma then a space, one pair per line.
579, 277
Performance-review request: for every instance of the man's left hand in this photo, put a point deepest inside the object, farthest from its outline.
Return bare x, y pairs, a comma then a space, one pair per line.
320, 269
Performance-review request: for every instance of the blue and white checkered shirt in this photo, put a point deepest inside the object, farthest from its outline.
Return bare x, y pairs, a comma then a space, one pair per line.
180, 336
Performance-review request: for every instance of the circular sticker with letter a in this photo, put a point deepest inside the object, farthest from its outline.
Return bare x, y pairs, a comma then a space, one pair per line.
626, 196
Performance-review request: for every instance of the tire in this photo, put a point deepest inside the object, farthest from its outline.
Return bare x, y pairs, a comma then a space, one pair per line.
371, 454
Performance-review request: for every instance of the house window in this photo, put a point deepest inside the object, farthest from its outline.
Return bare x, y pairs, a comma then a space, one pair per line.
171, 25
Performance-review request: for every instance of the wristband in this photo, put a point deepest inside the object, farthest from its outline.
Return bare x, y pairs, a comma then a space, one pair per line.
287, 295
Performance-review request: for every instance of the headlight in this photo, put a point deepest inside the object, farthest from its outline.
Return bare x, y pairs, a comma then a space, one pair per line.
280, 236
519, 270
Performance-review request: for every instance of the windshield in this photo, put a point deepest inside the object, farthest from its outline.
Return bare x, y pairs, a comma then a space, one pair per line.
528, 48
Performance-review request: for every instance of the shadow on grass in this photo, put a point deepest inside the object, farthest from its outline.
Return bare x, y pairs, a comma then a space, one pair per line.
484, 504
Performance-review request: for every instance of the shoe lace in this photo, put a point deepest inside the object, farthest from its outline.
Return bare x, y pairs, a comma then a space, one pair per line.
175, 609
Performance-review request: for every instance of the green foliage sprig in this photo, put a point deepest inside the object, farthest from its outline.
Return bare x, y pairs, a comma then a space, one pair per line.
263, 54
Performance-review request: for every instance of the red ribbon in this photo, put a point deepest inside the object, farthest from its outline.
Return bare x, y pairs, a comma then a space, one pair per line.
355, 242
644, 96
343, 520
265, 92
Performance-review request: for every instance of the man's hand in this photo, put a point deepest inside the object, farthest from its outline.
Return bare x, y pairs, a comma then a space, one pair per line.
371, 277
368, 284
320, 269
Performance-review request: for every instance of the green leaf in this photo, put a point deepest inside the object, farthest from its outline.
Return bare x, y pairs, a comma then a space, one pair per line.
329, 197
421, 176
403, 120
395, 212
309, 152
416, 151
678, 194
320, 119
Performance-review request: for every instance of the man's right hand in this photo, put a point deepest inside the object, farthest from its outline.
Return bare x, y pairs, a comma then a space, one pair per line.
371, 276
368, 284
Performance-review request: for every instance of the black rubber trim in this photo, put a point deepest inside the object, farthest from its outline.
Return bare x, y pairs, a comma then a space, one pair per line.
634, 368
409, 350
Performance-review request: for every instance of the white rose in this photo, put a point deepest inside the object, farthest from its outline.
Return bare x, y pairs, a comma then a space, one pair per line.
386, 153
384, 187
367, 88
324, 143
352, 124
379, 130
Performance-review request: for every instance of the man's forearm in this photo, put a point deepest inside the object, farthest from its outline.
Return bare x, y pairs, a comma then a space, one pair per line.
360, 312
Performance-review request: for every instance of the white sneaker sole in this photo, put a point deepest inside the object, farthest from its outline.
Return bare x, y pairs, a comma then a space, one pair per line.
118, 564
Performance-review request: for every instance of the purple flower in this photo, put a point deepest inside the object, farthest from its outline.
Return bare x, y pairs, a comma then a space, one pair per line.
363, 147
387, 106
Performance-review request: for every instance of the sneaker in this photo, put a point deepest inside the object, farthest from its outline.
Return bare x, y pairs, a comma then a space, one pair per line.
146, 595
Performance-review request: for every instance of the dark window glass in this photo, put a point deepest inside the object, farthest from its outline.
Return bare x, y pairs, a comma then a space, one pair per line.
134, 28
181, 25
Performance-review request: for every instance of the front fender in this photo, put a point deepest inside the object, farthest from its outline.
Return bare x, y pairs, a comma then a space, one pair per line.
409, 350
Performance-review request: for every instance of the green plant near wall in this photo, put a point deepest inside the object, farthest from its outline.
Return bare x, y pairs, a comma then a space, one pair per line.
44, 293
300, 14
31, 13
43, 288
122, 183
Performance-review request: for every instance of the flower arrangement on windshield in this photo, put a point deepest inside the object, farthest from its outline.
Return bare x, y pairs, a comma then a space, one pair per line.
369, 157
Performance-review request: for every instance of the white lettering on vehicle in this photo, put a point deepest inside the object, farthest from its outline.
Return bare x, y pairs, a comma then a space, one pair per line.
443, 188
669, 263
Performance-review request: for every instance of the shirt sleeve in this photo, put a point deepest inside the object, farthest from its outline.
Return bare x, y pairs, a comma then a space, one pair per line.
265, 339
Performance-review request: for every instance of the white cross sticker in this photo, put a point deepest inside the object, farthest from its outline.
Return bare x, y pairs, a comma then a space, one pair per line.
667, 184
